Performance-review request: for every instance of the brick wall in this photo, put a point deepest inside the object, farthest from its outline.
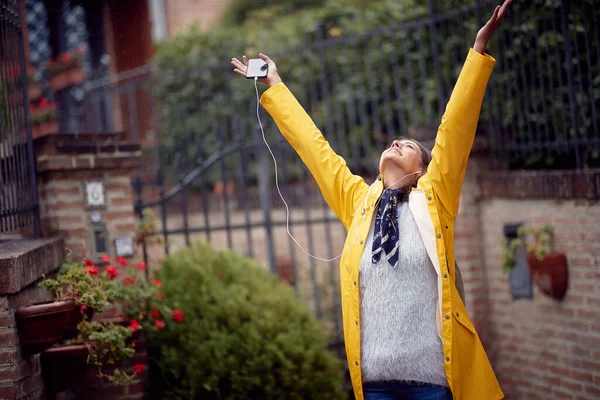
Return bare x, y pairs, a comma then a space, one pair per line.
539, 348
64, 164
183, 13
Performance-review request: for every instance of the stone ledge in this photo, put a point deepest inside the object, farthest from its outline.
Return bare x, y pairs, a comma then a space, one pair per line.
24, 261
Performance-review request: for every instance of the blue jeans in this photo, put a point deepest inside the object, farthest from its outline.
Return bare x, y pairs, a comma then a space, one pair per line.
405, 391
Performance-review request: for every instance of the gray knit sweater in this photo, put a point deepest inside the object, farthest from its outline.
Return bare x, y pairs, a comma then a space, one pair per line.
399, 339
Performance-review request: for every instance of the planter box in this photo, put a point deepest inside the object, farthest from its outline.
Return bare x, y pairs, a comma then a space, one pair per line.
65, 79
550, 274
40, 325
44, 128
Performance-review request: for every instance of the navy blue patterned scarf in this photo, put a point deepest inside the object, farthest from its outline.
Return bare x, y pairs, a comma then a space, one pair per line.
386, 234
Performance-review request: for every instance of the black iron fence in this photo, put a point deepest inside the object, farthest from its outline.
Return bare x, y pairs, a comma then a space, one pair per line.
542, 109
18, 191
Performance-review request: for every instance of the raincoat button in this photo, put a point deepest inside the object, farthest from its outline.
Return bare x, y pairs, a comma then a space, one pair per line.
447, 316
363, 211
355, 362
445, 275
447, 358
439, 235
457, 314
429, 198
354, 283
356, 322
361, 242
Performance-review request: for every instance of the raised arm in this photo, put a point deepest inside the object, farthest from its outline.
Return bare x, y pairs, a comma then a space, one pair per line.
341, 189
457, 130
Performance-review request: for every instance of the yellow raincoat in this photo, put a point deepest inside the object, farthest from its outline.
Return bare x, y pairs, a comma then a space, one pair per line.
434, 205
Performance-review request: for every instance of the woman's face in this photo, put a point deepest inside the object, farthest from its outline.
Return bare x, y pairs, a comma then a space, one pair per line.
402, 155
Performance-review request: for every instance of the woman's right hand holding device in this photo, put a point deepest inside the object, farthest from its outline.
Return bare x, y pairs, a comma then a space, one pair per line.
272, 78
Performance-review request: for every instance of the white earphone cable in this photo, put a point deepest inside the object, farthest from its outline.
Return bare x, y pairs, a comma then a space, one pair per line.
287, 221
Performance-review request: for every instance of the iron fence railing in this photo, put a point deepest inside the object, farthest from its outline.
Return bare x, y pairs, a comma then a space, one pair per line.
542, 109
18, 191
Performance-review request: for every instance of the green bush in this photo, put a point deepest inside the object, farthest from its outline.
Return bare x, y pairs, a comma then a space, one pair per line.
244, 335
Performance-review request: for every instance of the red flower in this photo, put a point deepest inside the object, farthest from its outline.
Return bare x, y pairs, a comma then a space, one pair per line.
83, 308
130, 280
92, 270
155, 314
177, 315
138, 368
134, 325
87, 262
121, 260
141, 266
159, 324
142, 315
65, 57
112, 272
160, 296
44, 103
156, 282
119, 316
105, 259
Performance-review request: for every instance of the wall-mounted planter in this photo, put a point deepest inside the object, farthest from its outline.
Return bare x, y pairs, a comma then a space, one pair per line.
550, 274
34, 91
40, 325
63, 365
67, 78
44, 128
73, 319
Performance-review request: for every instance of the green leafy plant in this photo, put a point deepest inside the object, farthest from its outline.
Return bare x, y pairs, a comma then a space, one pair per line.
108, 344
539, 247
80, 282
245, 335
64, 61
43, 111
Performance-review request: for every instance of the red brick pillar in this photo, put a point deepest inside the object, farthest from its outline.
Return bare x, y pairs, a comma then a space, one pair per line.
23, 262
65, 164
468, 244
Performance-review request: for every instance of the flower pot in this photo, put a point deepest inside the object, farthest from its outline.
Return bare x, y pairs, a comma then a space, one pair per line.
63, 365
73, 319
44, 128
67, 78
550, 274
34, 91
40, 325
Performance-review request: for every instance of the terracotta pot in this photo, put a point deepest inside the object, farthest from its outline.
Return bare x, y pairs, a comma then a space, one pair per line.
44, 128
68, 78
40, 325
73, 319
63, 365
550, 274
34, 91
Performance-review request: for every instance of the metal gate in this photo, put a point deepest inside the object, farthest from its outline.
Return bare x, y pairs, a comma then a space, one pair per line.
18, 191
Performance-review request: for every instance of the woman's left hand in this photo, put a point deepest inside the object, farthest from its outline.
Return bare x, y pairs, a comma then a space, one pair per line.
485, 33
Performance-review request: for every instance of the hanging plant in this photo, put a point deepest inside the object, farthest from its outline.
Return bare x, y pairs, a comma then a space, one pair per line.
549, 269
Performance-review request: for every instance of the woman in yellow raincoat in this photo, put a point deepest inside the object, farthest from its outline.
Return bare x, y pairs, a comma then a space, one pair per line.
407, 332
